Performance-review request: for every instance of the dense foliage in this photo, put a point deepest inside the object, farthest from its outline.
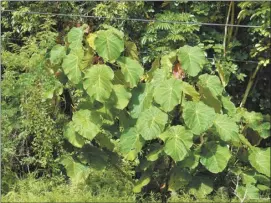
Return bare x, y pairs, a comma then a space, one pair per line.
143, 101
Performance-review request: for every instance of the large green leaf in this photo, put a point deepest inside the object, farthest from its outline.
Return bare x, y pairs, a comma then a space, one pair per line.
198, 116
98, 83
191, 59
120, 96
248, 192
86, 123
141, 99
151, 123
211, 82
75, 37
130, 143
259, 158
178, 142
227, 129
201, 186
57, 53
168, 94
73, 137
71, 65
159, 76
131, 69
108, 45
215, 157
77, 172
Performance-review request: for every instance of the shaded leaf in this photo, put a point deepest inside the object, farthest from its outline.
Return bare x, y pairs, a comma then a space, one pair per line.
201, 186
77, 172
73, 137
120, 96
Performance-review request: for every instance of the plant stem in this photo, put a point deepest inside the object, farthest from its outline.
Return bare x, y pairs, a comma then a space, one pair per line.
249, 85
232, 21
226, 28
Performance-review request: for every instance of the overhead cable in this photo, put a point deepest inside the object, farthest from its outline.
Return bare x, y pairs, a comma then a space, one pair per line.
138, 19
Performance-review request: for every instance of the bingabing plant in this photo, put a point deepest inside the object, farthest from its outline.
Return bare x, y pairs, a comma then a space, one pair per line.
175, 123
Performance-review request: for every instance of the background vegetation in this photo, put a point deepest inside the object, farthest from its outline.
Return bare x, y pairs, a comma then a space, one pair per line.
42, 154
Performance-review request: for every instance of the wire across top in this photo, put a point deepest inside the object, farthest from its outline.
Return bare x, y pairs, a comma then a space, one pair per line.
139, 19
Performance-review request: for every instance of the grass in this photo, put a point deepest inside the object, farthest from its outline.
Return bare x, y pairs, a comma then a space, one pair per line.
103, 187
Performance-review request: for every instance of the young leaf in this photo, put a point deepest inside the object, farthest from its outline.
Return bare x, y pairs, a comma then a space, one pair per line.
191, 59
227, 129
141, 99
198, 116
151, 123
98, 83
131, 70
71, 65
259, 158
131, 143
215, 157
168, 94
108, 45
178, 142
86, 123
